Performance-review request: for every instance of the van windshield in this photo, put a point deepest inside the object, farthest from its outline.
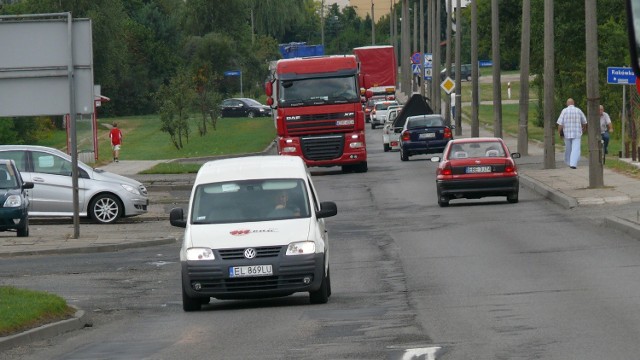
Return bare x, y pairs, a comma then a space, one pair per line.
249, 201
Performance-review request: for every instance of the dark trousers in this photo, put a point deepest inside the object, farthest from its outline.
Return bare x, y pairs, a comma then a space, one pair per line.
605, 139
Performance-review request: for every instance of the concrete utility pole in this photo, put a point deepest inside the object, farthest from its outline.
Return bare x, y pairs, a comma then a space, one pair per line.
415, 44
437, 64
404, 53
373, 26
549, 74
395, 43
448, 60
475, 98
497, 84
596, 177
422, 80
322, 22
458, 90
525, 40
430, 49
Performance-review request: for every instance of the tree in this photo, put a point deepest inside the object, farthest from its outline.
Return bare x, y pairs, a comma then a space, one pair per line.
176, 102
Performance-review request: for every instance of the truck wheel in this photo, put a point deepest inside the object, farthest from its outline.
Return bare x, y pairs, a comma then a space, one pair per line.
347, 168
387, 148
360, 168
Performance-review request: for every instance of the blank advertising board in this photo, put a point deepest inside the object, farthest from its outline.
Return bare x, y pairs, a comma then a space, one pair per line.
34, 66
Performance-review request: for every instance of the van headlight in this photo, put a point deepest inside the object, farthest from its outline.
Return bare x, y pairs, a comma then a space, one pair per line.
195, 254
301, 248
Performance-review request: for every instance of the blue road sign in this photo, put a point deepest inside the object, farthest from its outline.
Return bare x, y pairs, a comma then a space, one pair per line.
415, 58
232, 73
485, 63
621, 75
415, 68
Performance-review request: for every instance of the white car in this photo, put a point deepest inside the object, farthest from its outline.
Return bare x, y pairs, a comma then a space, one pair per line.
390, 138
103, 196
379, 112
254, 228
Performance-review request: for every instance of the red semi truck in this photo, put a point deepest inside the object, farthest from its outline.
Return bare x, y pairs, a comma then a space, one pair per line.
317, 110
377, 71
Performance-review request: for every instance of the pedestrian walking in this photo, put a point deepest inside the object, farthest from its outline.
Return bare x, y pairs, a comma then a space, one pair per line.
116, 141
571, 124
605, 128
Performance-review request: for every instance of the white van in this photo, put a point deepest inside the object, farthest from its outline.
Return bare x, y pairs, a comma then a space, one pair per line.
254, 228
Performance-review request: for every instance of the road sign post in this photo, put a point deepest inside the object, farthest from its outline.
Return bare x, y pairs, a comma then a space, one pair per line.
621, 76
236, 73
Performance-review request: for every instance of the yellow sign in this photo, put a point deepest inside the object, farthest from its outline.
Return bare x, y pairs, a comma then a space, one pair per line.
448, 85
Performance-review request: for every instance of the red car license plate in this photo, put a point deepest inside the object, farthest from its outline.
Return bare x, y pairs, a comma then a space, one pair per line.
478, 169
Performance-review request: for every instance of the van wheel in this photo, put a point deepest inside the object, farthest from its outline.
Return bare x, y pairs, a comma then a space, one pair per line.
189, 303
24, 230
321, 296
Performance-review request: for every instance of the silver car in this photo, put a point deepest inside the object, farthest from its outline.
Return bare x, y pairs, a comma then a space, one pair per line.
103, 196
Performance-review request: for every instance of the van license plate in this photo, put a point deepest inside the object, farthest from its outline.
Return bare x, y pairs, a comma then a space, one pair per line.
253, 270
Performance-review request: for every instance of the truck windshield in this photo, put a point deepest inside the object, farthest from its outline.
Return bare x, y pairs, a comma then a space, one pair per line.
318, 91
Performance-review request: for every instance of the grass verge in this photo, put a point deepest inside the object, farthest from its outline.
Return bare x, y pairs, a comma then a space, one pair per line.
26, 309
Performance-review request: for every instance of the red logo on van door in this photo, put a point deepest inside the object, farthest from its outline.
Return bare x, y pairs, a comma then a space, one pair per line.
239, 232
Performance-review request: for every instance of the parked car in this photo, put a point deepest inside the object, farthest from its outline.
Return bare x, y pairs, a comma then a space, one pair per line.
465, 71
424, 134
103, 196
243, 107
254, 228
379, 112
474, 168
14, 203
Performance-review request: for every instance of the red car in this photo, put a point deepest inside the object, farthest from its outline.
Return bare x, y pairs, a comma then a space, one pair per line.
474, 168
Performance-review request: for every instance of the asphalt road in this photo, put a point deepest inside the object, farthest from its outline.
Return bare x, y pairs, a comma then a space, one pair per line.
481, 279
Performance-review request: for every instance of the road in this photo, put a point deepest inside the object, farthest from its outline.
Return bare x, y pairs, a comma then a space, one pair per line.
481, 279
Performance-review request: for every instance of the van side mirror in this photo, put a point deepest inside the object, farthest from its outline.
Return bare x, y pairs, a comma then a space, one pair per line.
176, 218
327, 209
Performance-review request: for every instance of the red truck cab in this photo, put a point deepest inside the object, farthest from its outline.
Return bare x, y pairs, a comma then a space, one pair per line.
317, 111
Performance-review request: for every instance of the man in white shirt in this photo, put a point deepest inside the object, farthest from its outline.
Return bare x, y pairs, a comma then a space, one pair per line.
571, 124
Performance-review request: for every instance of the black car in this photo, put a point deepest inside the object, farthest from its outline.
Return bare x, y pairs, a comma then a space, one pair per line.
465, 71
243, 107
14, 204
424, 134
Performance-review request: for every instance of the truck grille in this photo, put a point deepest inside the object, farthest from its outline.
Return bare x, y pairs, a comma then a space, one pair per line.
319, 123
322, 147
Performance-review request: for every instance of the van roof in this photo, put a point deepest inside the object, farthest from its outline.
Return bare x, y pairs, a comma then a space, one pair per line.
252, 167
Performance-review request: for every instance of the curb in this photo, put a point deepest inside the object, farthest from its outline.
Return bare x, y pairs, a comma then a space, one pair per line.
623, 225
92, 249
80, 320
550, 193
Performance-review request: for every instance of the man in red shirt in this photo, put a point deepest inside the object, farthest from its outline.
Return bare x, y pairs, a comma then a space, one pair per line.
116, 140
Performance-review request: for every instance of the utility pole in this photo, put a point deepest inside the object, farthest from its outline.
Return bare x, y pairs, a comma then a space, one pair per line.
415, 44
549, 74
322, 22
422, 71
596, 178
437, 64
430, 49
458, 103
373, 26
495, 54
525, 40
404, 53
447, 100
475, 98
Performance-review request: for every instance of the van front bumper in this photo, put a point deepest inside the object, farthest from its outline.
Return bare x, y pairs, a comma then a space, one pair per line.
291, 274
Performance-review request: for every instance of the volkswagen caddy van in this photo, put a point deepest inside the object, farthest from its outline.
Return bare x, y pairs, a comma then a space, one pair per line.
254, 229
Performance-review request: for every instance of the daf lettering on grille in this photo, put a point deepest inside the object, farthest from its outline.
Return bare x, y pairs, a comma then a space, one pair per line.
249, 253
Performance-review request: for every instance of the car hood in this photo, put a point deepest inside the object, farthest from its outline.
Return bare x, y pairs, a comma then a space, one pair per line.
103, 175
252, 234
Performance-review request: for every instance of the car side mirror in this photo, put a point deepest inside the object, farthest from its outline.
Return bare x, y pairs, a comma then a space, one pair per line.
176, 218
515, 155
27, 185
435, 159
